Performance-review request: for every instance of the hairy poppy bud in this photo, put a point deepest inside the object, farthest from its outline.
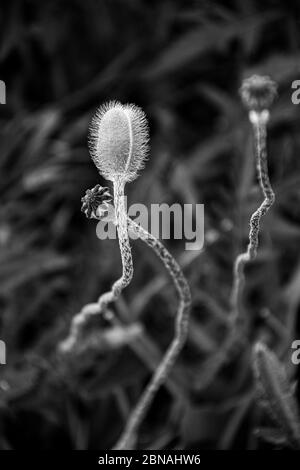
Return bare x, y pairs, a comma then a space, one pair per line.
118, 141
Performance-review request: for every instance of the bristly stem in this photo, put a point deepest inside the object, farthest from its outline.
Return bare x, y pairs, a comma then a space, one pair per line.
181, 329
258, 94
259, 121
182, 318
81, 318
125, 250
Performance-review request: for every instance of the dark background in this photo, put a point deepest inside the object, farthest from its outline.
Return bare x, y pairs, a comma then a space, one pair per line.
183, 63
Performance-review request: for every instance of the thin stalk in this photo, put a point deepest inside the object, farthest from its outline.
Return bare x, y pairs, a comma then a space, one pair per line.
123, 222
125, 250
81, 318
259, 122
181, 330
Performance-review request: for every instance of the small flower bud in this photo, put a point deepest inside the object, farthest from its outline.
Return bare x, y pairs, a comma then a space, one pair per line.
258, 93
95, 203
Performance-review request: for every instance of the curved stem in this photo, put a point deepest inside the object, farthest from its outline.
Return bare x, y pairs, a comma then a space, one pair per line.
175, 347
259, 122
125, 250
182, 317
81, 318
260, 133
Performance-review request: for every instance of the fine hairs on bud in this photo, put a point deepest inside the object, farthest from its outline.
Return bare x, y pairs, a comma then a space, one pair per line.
118, 140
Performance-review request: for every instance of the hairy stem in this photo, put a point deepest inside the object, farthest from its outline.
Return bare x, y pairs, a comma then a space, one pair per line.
181, 329
260, 134
182, 318
259, 121
81, 318
125, 250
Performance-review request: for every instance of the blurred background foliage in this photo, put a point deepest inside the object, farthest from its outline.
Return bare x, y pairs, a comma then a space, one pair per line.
182, 62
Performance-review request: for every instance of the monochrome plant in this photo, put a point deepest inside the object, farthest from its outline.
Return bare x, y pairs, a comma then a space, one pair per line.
258, 94
118, 145
92, 328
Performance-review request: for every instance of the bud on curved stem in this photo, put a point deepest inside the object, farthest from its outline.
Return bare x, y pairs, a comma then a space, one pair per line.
258, 94
118, 144
259, 120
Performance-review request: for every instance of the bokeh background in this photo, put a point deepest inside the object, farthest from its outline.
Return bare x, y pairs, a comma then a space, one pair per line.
183, 63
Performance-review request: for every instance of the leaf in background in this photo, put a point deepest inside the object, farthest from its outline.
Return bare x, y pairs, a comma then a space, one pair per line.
281, 67
275, 393
272, 435
224, 102
212, 36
